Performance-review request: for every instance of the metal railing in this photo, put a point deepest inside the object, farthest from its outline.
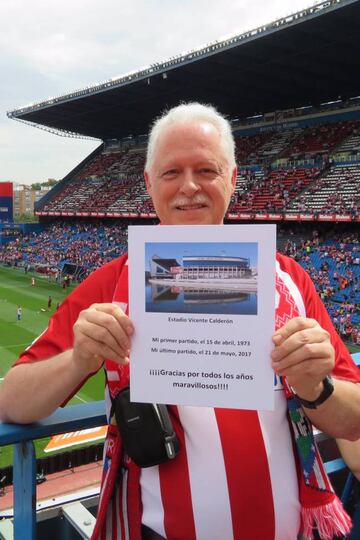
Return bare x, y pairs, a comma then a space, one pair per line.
65, 420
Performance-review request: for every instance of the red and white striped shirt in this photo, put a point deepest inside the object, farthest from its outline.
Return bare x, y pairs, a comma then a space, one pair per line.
235, 476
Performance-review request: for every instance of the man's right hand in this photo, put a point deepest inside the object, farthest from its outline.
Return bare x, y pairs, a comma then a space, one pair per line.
102, 331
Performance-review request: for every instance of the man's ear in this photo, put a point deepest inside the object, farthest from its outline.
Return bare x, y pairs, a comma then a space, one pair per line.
147, 182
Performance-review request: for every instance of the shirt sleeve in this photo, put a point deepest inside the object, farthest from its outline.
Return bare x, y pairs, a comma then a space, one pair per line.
345, 367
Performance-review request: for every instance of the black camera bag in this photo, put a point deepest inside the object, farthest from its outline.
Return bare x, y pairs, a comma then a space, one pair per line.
146, 430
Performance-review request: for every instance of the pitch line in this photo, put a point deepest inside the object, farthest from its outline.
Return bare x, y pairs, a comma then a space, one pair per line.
81, 399
16, 345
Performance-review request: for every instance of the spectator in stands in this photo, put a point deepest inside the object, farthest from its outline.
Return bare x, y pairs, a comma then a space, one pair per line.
235, 476
81, 244
336, 284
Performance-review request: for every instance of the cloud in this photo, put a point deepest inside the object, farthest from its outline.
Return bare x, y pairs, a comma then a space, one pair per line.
49, 48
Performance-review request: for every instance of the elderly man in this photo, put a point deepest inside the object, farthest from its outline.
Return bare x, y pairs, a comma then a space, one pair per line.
238, 474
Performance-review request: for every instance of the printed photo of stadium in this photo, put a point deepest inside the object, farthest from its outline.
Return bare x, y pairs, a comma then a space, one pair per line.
197, 282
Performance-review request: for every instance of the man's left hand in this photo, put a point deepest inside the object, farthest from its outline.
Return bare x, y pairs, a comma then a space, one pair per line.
304, 355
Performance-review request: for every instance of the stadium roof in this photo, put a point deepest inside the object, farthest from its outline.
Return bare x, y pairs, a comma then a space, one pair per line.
306, 58
166, 263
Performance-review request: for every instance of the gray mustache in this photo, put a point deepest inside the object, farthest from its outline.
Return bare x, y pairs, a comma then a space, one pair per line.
199, 199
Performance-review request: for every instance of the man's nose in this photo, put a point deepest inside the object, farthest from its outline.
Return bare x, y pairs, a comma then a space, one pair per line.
189, 184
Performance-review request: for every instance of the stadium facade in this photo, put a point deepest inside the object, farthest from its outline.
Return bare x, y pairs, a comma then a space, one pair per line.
215, 267
201, 267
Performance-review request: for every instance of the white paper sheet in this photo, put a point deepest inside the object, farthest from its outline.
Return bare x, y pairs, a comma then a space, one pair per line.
202, 300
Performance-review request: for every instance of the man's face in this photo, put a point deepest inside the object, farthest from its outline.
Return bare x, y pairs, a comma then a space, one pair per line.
190, 181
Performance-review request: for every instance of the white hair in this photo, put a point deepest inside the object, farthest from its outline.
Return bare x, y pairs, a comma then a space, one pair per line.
187, 113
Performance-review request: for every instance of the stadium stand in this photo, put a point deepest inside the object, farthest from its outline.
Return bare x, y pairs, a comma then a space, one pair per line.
109, 183
335, 191
277, 143
88, 245
332, 261
298, 163
249, 148
273, 193
272, 176
319, 139
351, 143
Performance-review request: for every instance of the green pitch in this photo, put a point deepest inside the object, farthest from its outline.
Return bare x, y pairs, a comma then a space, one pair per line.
15, 336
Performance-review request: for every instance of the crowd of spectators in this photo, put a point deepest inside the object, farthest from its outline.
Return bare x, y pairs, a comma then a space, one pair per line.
334, 266
109, 179
111, 182
332, 263
319, 139
89, 245
247, 147
336, 191
339, 204
273, 192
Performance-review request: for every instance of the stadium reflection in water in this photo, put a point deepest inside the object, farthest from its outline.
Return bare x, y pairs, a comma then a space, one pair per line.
162, 298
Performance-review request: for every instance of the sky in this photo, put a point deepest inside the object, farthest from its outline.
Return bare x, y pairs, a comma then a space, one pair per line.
51, 47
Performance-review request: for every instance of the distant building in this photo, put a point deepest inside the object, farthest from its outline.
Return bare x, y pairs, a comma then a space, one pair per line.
25, 198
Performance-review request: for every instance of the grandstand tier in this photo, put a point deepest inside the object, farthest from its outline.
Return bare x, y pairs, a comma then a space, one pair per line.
283, 175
